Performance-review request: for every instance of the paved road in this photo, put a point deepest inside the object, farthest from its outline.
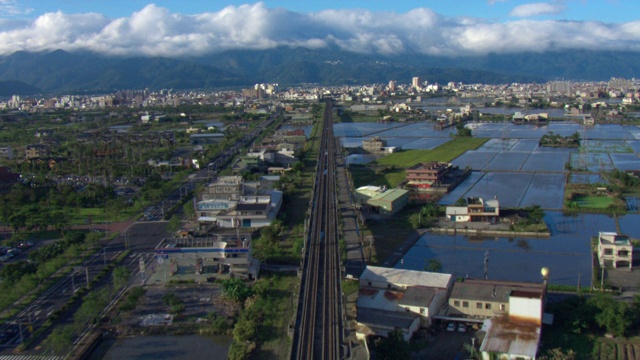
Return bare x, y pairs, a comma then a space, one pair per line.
355, 261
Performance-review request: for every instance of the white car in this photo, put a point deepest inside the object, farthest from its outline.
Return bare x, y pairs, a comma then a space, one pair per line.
451, 327
462, 328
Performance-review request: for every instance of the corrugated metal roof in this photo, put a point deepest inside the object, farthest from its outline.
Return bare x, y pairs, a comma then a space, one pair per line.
507, 337
402, 277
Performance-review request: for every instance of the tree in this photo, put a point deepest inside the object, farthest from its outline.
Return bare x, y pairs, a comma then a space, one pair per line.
558, 354
393, 347
60, 340
462, 131
173, 225
614, 316
535, 212
188, 210
120, 277
236, 289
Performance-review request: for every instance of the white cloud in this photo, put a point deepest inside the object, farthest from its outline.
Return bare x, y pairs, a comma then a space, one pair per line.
535, 9
155, 31
12, 8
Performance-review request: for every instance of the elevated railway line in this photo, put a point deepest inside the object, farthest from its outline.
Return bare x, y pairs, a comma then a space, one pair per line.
318, 332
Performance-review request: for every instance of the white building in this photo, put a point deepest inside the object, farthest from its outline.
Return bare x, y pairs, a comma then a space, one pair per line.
390, 298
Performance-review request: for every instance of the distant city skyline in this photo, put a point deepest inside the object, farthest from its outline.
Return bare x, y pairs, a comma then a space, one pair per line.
196, 27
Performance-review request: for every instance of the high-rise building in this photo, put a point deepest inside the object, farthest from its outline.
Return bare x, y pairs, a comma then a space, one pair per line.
416, 82
392, 85
563, 87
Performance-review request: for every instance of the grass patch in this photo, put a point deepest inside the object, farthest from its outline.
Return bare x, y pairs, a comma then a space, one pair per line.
350, 117
594, 202
445, 152
364, 175
98, 215
389, 234
349, 286
276, 306
557, 337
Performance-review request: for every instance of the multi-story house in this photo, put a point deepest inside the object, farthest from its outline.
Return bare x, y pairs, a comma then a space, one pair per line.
477, 209
224, 188
36, 151
373, 145
615, 250
427, 175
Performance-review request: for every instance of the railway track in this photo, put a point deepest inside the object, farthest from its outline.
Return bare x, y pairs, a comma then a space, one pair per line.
319, 320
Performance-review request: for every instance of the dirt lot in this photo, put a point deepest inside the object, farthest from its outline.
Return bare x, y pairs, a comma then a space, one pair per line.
198, 300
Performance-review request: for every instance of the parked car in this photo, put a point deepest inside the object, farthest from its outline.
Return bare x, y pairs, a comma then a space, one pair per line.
451, 327
462, 328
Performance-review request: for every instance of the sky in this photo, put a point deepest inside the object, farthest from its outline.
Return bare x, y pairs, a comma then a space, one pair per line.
178, 28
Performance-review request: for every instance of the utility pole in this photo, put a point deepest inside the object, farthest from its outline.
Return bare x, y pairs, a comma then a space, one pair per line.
486, 265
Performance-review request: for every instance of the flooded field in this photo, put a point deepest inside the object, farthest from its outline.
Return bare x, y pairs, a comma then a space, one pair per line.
566, 253
512, 159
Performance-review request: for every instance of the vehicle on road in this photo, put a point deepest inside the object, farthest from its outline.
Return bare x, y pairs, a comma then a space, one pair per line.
451, 327
462, 328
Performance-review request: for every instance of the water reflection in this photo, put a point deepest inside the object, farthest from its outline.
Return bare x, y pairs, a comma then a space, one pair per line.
566, 253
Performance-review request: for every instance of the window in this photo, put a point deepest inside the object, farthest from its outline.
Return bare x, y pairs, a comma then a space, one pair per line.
456, 303
479, 305
369, 283
465, 304
422, 311
487, 306
502, 307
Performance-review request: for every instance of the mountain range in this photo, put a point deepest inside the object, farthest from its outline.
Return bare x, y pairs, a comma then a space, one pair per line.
65, 72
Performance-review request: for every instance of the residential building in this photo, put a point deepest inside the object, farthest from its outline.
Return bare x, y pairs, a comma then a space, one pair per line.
487, 298
427, 175
251, 211
416, 82
514, 313
389, 202
364, 193
588, 120
373, 145
206, 138
615, 250
225, 187
36, 151
407, 299
477, 209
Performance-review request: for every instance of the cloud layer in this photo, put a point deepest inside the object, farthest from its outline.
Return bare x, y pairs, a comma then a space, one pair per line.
155, 31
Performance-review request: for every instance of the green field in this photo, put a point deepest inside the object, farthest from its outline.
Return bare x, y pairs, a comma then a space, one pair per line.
98, 215
348, 117
445, 152
593, 202
363, 175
